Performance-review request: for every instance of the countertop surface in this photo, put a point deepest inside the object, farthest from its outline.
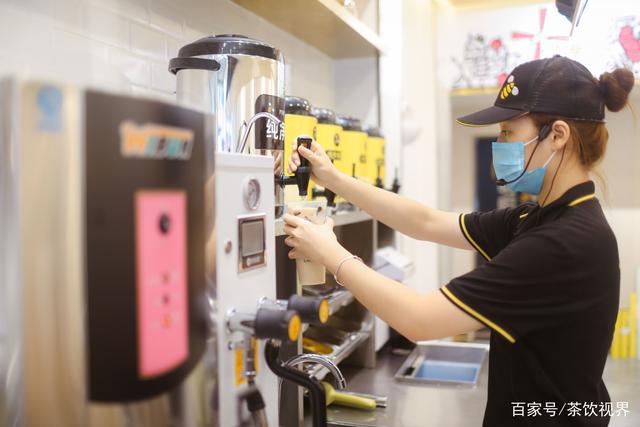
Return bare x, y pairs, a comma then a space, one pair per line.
412, 405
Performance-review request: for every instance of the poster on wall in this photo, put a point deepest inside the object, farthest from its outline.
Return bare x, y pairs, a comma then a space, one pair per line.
489, 43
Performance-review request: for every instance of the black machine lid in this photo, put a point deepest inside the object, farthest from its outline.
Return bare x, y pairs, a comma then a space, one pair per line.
324, 115
373, 131
297, 105
349, 123
229, 44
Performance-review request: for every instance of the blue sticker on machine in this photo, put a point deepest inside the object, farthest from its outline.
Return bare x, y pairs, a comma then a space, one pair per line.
49, 101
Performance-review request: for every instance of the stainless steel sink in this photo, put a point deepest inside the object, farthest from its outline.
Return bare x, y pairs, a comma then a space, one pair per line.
444, 362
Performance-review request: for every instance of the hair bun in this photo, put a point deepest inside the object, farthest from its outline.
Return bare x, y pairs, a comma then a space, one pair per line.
615, 88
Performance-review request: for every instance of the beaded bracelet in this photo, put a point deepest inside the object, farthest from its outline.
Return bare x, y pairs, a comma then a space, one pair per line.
345, 259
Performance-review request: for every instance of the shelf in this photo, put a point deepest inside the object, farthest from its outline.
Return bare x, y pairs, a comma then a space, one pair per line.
339, 299
342, 351
341, 217
472, 91
349, 217
324, 24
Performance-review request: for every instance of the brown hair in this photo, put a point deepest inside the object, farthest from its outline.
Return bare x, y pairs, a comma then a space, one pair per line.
589, 137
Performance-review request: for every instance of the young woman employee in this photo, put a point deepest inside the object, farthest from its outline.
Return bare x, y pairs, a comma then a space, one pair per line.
549, 290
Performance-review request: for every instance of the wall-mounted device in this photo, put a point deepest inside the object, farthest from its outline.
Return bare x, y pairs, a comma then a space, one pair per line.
393, 264
245, 273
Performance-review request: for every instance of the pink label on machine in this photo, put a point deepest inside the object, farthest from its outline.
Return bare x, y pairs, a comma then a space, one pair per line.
161, 252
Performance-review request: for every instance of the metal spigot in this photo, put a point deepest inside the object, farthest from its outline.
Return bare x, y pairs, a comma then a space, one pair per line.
328, 194
242, 141
338, 379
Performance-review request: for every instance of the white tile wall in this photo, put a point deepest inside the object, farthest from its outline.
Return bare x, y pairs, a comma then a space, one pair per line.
125, 45
105, 26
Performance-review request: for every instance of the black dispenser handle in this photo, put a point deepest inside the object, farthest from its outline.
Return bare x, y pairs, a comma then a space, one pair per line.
303, 173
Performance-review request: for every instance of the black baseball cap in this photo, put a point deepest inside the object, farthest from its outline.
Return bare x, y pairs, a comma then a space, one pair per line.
558, 86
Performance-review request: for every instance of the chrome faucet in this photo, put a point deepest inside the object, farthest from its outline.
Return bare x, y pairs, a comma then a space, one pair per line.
246, 128
338, 379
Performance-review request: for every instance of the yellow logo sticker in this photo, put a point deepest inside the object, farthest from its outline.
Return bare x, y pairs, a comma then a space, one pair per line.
509, 88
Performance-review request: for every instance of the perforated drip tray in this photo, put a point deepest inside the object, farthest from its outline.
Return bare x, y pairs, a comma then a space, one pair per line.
444, 362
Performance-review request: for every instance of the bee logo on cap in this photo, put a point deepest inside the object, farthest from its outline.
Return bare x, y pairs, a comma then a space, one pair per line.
509, 88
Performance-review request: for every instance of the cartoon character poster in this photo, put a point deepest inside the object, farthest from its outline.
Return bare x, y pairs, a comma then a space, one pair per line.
490, 43
624, 41
484, 62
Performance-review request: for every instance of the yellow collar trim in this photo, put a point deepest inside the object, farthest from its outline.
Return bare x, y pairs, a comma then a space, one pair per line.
582, 199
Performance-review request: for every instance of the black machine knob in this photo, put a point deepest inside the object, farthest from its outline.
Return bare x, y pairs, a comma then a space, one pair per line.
284, 325
165, 223
255, 402
311, 309
395, 186
379, 182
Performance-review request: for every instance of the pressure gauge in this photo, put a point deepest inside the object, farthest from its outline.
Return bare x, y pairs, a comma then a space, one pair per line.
251, 193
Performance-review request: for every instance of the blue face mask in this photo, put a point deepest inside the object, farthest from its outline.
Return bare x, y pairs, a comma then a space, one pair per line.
509, 165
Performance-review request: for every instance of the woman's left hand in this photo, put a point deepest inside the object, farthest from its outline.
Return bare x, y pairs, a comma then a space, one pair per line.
314, 242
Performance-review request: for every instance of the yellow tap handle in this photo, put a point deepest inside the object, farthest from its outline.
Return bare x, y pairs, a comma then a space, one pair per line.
633, 320
624, 334
615, 344
342, 399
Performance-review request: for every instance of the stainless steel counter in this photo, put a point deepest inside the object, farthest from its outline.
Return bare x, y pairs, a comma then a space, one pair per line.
410, 405
456, 406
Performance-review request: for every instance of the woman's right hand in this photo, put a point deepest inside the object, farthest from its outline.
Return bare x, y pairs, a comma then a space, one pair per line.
323, 172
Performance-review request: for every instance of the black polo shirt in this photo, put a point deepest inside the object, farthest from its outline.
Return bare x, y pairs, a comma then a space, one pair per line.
550, 293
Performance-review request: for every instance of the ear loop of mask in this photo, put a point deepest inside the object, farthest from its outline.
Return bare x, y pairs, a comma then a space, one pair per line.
526, 167
544, 132
557, 169
555, 174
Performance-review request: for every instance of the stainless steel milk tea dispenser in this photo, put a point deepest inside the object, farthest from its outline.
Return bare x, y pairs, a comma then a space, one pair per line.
241, 81
104, 224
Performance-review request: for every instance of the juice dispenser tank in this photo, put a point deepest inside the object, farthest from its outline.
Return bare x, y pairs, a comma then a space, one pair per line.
354, 146
298, 121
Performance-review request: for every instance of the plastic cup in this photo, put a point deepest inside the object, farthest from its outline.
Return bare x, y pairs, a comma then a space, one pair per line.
310, 273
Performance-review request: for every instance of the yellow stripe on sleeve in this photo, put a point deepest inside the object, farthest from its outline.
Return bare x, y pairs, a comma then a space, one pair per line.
477, 315
470, 239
